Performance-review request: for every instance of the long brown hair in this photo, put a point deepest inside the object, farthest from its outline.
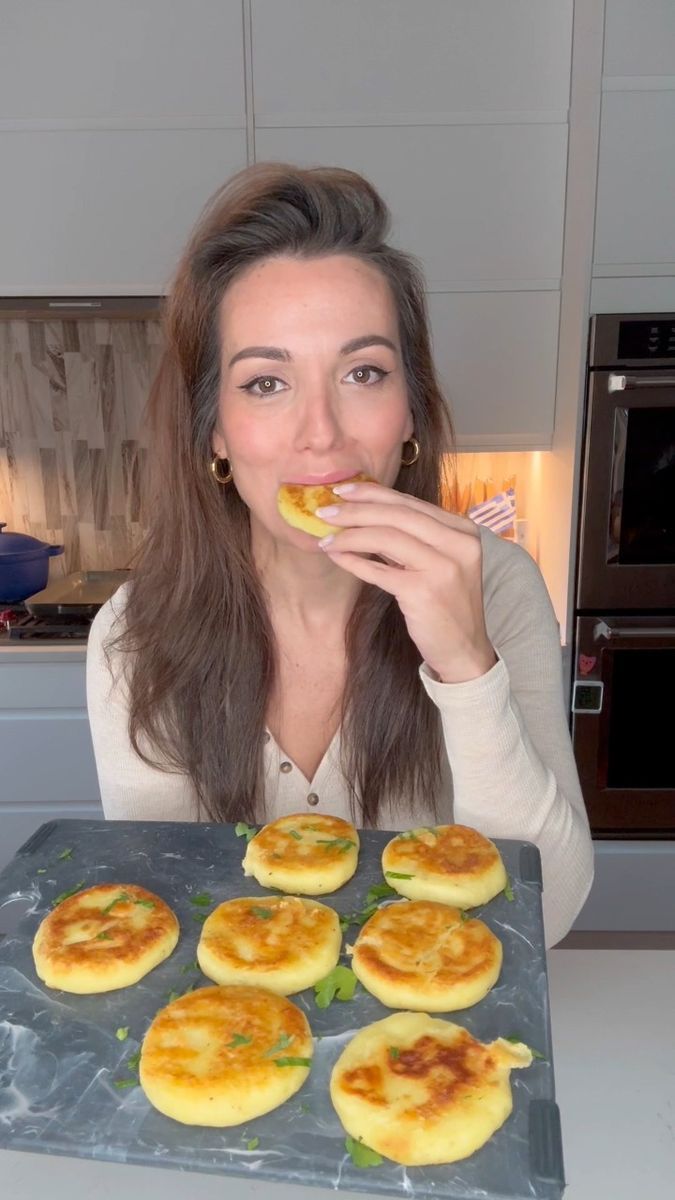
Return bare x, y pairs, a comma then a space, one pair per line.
196, 623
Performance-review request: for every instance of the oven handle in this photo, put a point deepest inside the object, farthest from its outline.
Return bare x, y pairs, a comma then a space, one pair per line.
602, 630
619, 383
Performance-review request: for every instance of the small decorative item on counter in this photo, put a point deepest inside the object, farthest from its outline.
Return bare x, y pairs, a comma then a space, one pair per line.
498, 512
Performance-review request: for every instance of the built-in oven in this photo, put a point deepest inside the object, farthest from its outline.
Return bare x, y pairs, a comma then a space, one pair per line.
623, 691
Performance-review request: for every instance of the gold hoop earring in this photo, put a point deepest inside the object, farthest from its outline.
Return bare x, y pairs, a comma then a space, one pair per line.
216, 468
414, 444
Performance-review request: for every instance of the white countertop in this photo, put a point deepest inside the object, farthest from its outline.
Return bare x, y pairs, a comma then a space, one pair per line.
613, 1014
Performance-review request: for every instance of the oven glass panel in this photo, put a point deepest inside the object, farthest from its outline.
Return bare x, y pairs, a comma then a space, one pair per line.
641, 741
642, 518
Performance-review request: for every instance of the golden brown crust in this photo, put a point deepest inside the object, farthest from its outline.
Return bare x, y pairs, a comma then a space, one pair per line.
284, 943
453, 864
104, 937
298, 502
310, 854
420, 1090
421, 955
210, 1058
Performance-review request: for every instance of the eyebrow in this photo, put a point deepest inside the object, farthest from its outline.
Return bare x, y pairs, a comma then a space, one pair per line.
280, 355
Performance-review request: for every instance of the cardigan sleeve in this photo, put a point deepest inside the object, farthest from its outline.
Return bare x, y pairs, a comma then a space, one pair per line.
130, 788
507, 739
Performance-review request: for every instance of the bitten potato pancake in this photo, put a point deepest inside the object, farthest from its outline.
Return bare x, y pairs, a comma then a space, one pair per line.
309, 854
420, 1090
449, 863
222, 1055
103, 938
297, 503
421, 955
284, 943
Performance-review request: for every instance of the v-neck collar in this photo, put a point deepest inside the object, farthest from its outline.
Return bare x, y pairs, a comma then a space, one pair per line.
284, 757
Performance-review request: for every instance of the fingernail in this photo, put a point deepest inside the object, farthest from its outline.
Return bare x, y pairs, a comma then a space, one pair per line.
329, 510
326, 541
343, 489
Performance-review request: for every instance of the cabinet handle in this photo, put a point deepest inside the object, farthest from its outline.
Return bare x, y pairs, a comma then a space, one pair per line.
620, 383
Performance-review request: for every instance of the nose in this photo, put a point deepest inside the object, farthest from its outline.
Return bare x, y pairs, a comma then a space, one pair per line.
319, 426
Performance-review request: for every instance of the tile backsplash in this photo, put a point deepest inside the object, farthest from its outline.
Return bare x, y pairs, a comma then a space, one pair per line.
72, 397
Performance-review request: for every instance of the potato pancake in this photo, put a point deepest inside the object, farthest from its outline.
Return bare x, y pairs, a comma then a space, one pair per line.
449, 863
223, 1055
284, 943
103, 938
420, 1090
298, 502
307, 853
421, 955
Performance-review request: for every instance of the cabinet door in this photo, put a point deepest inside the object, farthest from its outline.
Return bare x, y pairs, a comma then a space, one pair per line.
85, 61
496, 356
117, 121
395, 60
105, 211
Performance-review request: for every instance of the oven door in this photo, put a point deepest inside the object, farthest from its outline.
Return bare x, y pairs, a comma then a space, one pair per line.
623, 724
627, 519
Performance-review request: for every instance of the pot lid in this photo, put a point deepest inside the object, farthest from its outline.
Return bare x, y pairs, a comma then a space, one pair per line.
15, 546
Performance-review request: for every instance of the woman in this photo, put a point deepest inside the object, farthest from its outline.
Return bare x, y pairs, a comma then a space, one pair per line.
404, 670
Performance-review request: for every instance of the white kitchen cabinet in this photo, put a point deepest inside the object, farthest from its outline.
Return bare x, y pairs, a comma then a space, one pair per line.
317, 61
496, 356
477, 204
634, 255
105, 211
639, 38
117, 121
46, 756
636, 181
89, 61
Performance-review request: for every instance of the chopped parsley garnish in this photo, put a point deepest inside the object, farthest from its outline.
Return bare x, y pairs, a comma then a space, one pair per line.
340, 983
122, 1033
394, 1053
398, 875
125, 1083
515, 1038
293, 1062
121, 899
133, 1062
378, 892
191, 966
282, 1043
145, 903
104, 936
64, 895
410, 836
238, 1039
203, 900
65, 854
362, 1155
294, 834
243, 830
341, 844
263, 913
508, 890
42, 870
200, 917
253, 1144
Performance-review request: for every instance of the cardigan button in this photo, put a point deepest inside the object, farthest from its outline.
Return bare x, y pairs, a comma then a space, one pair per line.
312, 799
286, 767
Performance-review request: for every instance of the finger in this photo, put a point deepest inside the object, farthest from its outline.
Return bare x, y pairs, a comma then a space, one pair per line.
376, 493
383, 576
420, 524
403, 548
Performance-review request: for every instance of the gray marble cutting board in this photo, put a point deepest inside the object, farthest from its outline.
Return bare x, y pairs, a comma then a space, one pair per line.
59, 1056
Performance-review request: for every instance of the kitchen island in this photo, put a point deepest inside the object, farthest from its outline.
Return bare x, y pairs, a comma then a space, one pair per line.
612, 1014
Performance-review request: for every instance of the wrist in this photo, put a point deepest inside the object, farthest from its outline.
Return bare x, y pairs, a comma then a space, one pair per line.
467, 669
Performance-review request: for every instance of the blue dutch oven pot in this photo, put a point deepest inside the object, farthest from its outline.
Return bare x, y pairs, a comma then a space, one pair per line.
24, 565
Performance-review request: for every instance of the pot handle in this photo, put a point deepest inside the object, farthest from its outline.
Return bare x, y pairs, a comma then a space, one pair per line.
54, 550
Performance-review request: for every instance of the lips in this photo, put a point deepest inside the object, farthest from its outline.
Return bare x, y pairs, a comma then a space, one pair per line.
331, 477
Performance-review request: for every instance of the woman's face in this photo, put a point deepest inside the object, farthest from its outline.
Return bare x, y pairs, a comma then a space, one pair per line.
312, 382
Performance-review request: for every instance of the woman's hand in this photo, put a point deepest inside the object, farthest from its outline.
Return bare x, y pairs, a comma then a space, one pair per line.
433, 568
